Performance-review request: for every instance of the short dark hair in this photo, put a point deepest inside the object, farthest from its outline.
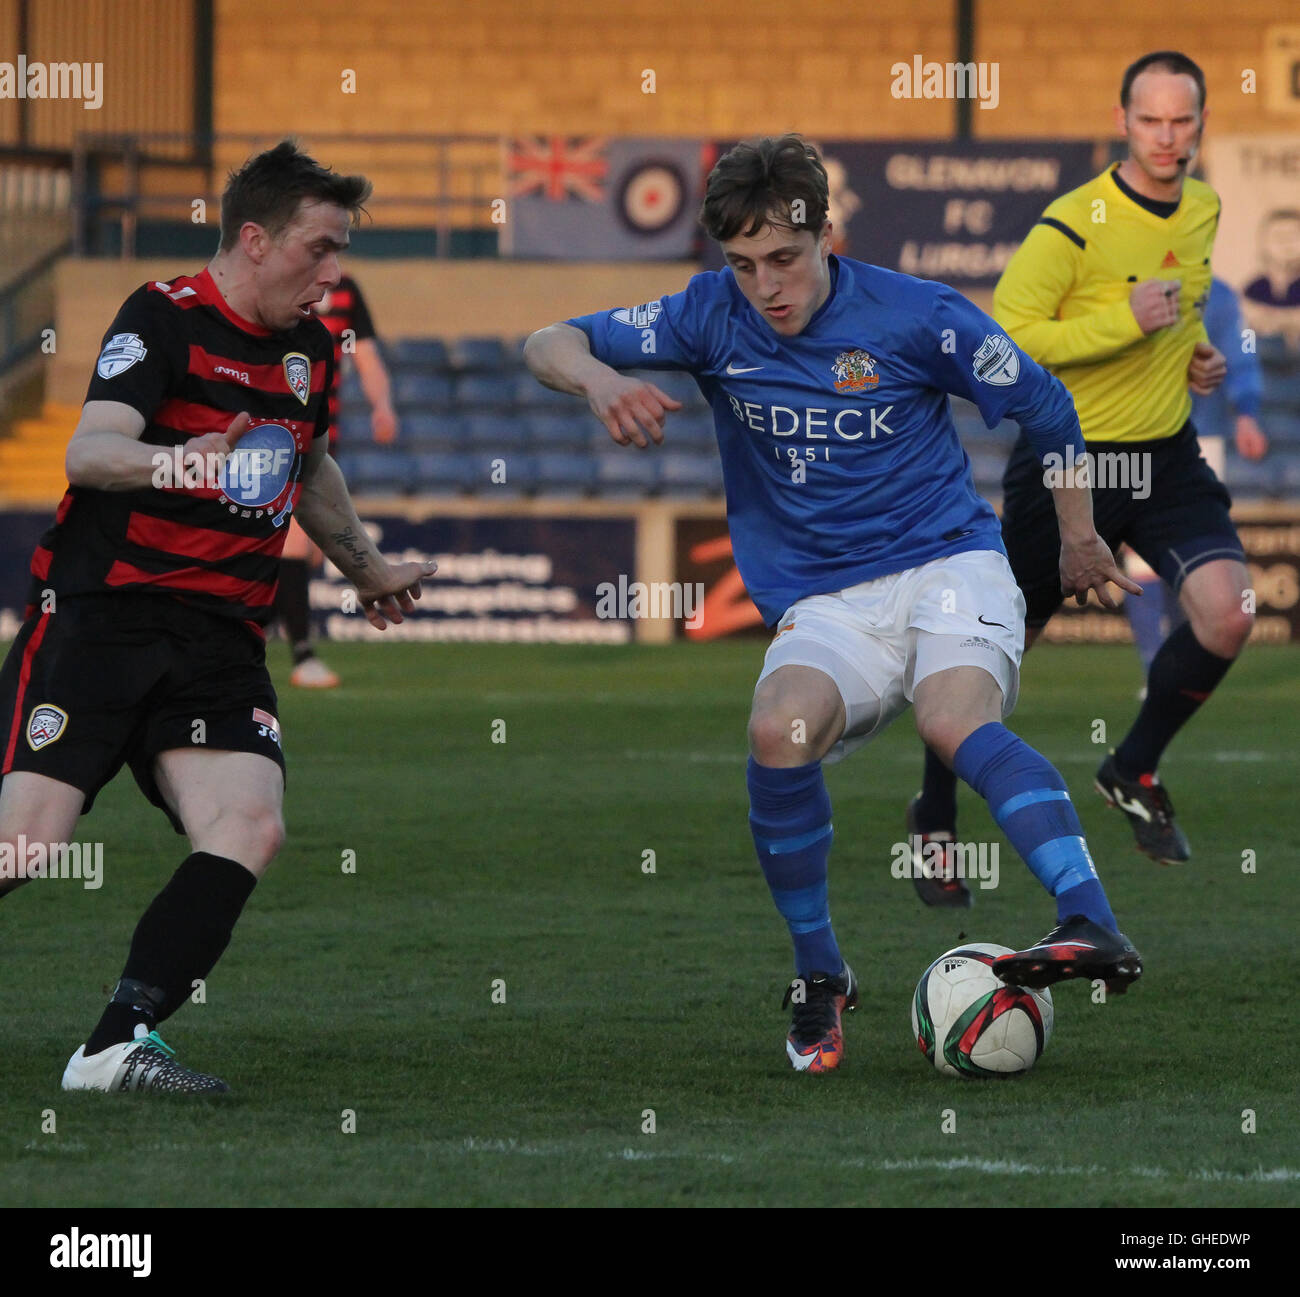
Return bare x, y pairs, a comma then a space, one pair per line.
758, 184
1163, 61
269, 188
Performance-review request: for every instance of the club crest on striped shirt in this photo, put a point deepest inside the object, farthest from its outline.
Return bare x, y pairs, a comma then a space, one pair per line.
297, 373
46, 724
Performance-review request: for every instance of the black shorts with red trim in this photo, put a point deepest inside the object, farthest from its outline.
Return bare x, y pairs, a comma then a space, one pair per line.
108, 680
1162, 499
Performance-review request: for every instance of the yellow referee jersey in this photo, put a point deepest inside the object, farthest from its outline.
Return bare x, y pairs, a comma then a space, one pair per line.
1064, 298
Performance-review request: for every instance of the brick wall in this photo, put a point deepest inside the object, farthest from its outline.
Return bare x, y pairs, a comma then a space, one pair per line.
720, 67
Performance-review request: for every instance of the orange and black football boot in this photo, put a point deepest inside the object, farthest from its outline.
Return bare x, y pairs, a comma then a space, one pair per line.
1076, 948
816, 1039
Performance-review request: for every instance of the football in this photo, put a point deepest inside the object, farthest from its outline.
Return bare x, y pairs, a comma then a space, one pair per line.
968, 1022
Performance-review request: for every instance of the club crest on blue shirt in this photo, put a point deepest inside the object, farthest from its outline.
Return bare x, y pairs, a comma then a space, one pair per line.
996, 362
854, 371
297, 373
638, 317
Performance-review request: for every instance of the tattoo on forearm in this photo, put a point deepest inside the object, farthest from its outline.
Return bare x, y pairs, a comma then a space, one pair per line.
351, 542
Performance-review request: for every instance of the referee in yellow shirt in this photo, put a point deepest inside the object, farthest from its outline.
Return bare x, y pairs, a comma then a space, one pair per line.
1107, 291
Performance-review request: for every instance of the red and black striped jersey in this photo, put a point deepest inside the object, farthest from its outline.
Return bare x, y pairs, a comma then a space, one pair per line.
341, 309
179, 355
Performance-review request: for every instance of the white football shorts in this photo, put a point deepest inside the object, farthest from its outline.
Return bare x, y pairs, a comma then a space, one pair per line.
877, 640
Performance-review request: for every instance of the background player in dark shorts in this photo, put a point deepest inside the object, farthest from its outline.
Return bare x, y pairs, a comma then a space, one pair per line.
344, 312
204, 427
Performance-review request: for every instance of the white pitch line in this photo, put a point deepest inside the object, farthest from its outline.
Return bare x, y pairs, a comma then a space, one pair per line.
983, 1166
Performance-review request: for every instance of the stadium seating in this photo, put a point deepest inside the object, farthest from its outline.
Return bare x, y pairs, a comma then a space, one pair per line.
485, 391
421, 391
419, 354
485, 355
620, 472
559, 431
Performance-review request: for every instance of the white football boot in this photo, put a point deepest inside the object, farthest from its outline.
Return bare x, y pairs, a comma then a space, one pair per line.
145, 1063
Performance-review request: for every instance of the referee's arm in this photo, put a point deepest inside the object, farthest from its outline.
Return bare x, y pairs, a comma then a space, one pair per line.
1027, 300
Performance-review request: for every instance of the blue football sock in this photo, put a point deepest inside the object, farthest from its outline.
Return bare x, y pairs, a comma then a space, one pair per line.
1032, 806
790, 817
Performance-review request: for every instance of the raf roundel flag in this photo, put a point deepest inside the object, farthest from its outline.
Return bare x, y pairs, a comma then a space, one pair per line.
593, 198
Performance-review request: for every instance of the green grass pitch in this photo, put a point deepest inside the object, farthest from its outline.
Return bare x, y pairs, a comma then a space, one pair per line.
519, 865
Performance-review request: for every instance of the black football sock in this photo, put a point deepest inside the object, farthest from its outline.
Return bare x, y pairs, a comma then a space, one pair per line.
179, 938
1183, 675
937, 807
292, 607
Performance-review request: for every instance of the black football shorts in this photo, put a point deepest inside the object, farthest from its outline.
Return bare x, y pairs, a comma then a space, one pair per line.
108, 680
1168, 505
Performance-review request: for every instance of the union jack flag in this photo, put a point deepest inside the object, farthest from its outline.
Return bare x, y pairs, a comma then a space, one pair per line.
558, 167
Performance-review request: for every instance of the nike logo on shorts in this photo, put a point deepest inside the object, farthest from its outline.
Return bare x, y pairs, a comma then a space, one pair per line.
992, 623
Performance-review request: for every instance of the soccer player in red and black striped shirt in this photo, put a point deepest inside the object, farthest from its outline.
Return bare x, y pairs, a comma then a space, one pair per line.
343, 311
205, 425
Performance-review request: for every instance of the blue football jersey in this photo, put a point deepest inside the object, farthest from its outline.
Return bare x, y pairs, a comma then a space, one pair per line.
839, 455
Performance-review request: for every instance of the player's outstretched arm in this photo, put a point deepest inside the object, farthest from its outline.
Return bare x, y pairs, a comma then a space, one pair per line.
106, 451
1086, 560
559, 357
328, 516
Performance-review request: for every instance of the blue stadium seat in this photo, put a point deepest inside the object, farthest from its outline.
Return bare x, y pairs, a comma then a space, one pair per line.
442, 473
495, 431
1281, 427
1290, 462
432, 432
412, 391
531, 395
485, 391
419, 353
517, 466
482, 354
1255, 477
350, 390
681, 473
1281, 390
626, 472
1273, 352
354, 428
377, 471
559, 431
691, 430
680, 386
558, 472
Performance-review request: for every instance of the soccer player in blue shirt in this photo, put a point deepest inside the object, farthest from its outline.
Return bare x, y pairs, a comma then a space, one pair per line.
862, 541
